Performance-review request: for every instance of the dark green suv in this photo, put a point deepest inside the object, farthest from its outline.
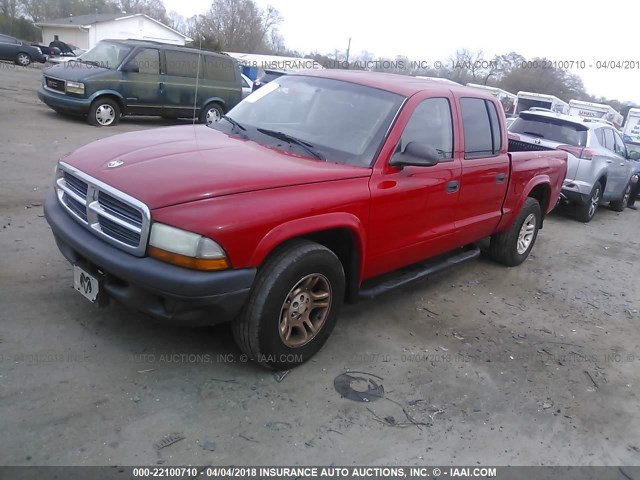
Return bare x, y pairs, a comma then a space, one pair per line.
136, 77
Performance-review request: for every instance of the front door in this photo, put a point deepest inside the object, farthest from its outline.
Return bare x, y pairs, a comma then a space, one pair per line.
412, 208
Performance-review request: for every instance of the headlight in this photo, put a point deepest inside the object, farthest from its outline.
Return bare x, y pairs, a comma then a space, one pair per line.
185, 249
75, 87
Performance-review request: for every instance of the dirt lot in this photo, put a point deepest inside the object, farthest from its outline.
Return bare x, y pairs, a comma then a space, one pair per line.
532, 365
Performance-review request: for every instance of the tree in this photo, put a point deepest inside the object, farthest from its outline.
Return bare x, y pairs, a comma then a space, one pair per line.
153, 8
236, 25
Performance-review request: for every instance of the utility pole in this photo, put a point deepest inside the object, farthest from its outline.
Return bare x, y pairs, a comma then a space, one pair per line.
348, 48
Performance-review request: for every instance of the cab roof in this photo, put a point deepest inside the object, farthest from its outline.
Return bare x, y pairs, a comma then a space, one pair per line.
404, 85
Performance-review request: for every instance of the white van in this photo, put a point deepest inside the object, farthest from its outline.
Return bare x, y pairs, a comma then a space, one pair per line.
602, 111
632, 125
507, 99
528, 100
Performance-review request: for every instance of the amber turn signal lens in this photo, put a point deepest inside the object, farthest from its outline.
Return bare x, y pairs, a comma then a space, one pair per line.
207, 264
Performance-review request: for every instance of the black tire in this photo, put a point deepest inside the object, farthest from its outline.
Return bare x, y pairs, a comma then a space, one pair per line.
257, 328
104, 112
23, 59
586, 211
215, 109
620, 205
505, 247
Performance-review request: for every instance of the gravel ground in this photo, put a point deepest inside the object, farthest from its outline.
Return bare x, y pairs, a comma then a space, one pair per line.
534, 365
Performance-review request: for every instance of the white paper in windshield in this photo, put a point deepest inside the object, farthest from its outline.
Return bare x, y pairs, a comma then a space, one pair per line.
262, 91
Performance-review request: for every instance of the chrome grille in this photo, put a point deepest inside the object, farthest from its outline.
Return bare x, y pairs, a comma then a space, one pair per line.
110, 214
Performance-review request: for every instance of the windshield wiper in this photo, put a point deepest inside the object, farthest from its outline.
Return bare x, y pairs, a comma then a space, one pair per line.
234, 123
291, 139
90, 62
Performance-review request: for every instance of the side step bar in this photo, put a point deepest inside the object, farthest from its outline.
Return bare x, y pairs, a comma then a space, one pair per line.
377, 286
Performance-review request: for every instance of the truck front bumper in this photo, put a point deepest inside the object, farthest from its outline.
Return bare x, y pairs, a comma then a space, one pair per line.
146, 285
62, 102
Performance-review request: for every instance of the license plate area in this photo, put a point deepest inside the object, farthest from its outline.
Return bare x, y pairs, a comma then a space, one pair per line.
85, 283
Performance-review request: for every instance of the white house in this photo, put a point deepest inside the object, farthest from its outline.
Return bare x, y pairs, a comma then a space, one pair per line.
84, 31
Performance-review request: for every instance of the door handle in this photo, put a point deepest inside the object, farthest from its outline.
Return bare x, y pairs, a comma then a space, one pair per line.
161, 85
622, 164
609, 161
500, 177
452, 186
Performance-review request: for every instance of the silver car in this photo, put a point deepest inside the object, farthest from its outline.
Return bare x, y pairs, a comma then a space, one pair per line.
599, 168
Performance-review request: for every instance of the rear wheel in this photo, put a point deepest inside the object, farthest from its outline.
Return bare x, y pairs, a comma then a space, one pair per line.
104, 112
23, 59
620, 205
512, 247
293, 306
587, 210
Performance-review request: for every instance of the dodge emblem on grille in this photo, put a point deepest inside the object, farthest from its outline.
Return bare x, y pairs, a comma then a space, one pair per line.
114, 163
537, 141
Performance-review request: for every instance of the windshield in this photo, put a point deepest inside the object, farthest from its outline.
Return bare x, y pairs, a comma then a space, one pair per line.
344, 122
106, 54
549, 128
527, 103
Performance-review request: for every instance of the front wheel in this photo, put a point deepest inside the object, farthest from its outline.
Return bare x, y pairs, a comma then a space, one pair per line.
211, 114
104, 112
23, 59
620, 205
512, 247
293, 306
587, 210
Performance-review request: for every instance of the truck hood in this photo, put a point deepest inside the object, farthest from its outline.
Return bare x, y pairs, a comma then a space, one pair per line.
74, 71
169, 166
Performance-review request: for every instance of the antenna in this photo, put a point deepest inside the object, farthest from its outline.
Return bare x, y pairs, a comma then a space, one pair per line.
195, 98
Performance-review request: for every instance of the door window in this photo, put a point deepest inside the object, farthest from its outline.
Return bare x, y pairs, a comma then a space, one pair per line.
431, 123
147, 61
609, 141
182, 64
478, 138
619, 147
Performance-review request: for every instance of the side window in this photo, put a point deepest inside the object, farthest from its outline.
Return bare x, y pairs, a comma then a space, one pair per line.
496, 135
182, 64
478, 138
147, 61
620, 147
600, 135
219, 69
431, 123
5, 39
609, 141
245, 84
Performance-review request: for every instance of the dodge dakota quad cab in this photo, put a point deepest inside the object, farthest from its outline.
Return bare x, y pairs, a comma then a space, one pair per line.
319, 187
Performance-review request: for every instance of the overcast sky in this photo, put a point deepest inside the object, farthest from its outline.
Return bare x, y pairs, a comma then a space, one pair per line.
556, 29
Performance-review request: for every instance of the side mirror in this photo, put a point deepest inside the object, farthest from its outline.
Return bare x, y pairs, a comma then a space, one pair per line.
130, 68
634, 155
416, 154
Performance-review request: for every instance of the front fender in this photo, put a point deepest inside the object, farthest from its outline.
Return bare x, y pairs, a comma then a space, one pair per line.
112, 93
308, 225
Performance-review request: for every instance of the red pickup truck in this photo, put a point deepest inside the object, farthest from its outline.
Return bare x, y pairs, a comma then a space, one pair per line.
318, 188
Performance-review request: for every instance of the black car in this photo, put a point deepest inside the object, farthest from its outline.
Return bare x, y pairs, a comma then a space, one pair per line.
267, 76
20, 52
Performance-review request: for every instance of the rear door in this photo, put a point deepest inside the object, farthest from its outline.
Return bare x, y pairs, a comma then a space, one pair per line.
627, 167
485, 170
615, 166
179, 83
413, 208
